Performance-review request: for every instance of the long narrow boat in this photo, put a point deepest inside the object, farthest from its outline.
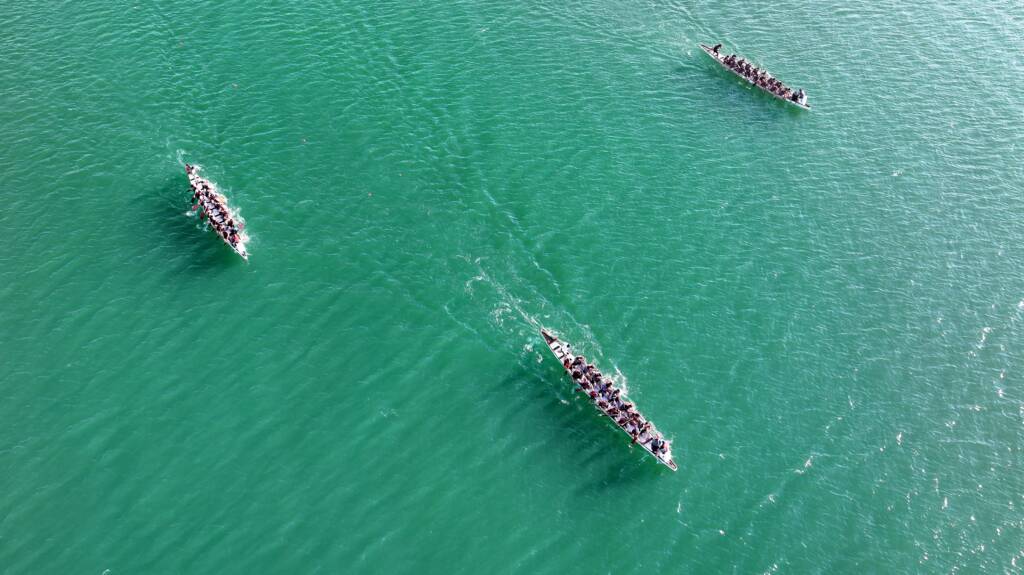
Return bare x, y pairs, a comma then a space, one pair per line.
563, 353
721, 60
211, 201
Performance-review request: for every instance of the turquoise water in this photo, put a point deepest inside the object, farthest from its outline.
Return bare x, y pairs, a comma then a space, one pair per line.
823, 309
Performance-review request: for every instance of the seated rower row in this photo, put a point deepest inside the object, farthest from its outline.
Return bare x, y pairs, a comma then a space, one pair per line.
211, 205
609, 399
763, 79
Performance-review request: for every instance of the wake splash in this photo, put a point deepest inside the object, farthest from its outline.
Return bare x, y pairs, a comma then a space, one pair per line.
523, 318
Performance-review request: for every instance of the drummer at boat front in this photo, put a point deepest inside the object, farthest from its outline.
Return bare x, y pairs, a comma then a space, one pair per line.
715, 49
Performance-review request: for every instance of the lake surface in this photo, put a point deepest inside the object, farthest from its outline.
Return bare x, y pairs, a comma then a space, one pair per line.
823, 309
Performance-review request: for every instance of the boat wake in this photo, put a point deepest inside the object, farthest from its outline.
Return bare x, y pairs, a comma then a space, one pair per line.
526, 316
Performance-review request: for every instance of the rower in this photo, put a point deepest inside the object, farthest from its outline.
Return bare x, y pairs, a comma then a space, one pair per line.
630, 426
642, 434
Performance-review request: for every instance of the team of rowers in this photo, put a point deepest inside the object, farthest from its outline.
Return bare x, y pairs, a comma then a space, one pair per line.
760, 78
214, 206
608, 398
